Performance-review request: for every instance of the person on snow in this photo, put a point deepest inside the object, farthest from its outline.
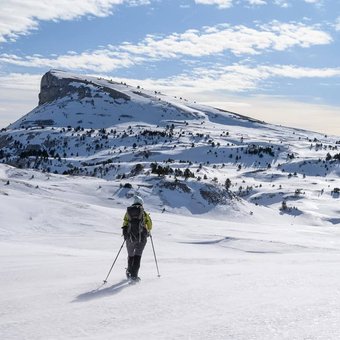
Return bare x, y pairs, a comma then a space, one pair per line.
136, 228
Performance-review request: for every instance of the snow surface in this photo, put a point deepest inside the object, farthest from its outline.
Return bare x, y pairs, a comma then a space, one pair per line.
236, 268
224, 275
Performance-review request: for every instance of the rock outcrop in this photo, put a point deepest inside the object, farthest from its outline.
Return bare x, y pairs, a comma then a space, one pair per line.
53, 87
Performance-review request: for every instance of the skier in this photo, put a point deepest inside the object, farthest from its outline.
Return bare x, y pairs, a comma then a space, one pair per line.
136, 228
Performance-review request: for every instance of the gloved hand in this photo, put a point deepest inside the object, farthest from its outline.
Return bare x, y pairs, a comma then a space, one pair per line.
125, 233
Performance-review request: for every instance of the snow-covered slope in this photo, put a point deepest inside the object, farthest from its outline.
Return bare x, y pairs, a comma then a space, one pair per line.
245, 214
176, 153
242, 277
70, 100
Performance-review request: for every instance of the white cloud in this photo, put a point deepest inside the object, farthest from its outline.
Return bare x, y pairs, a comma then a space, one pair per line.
257, 2
138, 2
337, 24
19, 81
238, 40
210, 41
219, 3
233, 78
103, 60
316, 3
236, 78
282, 3
19, 17
295, 72
18, 95
290, 34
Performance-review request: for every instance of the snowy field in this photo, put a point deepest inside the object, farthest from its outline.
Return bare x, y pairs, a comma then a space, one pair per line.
222, 277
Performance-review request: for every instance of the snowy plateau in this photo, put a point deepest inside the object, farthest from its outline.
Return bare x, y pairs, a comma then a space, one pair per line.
245, 217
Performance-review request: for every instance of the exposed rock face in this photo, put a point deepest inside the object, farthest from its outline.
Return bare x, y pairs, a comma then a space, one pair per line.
215, 195
52, 88
176, 186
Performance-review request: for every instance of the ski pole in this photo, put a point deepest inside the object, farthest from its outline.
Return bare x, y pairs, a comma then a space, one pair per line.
114, 262
154, 254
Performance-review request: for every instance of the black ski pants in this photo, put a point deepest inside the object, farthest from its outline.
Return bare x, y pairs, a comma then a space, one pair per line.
135, 247
135, 251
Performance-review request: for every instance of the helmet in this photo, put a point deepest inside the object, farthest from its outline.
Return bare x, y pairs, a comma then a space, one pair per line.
138, 200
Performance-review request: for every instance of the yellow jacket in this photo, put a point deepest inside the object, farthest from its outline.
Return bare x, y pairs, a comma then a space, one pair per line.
147, 221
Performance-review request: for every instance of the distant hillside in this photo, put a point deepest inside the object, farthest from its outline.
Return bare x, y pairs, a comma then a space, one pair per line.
183, 153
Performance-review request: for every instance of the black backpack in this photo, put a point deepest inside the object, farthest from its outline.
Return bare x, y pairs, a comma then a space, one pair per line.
136, 227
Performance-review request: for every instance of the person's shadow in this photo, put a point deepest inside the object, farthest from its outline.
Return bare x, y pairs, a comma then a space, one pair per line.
100, 293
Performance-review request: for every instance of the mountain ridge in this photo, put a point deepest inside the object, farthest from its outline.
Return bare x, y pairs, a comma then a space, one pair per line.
183, 153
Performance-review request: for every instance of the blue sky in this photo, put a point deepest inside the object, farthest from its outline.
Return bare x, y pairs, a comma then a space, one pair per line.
276, 60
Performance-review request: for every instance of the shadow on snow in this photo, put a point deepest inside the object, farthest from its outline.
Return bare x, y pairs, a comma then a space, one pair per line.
100, 293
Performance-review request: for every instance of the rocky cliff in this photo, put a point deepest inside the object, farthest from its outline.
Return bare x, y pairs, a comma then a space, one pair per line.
53, 87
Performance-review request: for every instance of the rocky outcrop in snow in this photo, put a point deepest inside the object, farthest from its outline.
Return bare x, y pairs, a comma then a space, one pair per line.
53, 87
